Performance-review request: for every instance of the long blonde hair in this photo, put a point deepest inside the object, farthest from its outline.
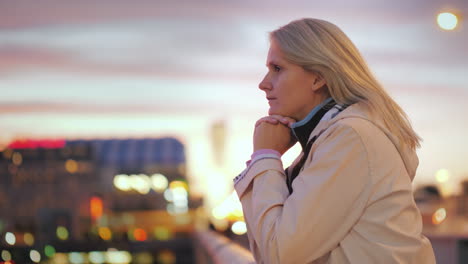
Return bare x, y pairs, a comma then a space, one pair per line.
321, 47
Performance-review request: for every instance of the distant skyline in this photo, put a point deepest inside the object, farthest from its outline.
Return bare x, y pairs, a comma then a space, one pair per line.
132, 68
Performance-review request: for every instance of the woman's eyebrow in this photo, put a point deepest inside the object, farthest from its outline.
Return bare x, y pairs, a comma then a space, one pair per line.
272, 63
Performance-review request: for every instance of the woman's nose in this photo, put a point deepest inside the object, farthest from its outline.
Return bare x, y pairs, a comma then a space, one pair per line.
265, 84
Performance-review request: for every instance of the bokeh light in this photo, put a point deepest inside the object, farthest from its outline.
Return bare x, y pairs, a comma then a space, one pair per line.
35, 256
159, 182
10, 238
239, 228
447, 21
143, 258
71, 166
105, 233
122, 182
77, 258
62, 233
60, 258
28, 239
439, 216
230, 209
141, 183
17, 159
442, 175
162, 233
166, 257
6, 255
49, 251
96, 257
118, 257
96, 207
178, 184
7, 153
168, 195
140, 234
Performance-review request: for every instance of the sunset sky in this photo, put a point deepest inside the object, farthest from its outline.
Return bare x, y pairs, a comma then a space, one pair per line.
84, 69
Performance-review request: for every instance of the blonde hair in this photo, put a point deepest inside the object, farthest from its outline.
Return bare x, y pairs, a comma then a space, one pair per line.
321, 47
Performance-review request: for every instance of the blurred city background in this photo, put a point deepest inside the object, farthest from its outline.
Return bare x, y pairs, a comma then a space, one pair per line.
122, 123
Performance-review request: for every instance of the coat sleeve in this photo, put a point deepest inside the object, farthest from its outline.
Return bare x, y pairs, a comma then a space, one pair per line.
329, 196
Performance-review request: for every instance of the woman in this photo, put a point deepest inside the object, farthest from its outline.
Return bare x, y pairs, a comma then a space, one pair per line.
348, 197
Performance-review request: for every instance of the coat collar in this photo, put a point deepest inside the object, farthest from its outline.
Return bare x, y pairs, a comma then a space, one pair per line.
303, 128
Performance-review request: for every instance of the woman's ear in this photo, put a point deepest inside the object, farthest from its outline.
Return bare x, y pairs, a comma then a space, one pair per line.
319, 82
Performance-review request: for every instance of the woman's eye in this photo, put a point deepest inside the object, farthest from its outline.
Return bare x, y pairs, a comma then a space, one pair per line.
276, 68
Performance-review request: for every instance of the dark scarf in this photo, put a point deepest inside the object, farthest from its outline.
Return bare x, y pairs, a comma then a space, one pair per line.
302, 132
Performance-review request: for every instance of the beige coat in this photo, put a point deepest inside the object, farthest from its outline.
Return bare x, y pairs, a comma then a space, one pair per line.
352, 202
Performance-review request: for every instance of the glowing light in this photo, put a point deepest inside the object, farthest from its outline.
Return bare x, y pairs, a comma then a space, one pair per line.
178, 184
28, 239
60, 258
96, 207
62, 233
141, 183
239, 228
6, 255
180, 200
166, 257
105, 233
49, 251
221, 225
122, 182
143, 258
179, 193
162, 233
219, 212
160, 182
439, 216
17, 158
176, 210
71, 166
35, 256
168, 195
447, 21
76, 258
442, 175
7, 153
96, 257
118, 257
10, 238
145, 185
139, 234
230, 208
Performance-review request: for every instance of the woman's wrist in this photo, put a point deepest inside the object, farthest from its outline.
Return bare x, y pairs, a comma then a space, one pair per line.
264, 151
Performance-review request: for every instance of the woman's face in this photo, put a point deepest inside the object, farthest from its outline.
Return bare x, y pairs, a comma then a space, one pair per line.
290, 90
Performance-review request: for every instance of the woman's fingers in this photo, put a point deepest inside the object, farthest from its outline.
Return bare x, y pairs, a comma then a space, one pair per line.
267, 119
284, 120
274, 119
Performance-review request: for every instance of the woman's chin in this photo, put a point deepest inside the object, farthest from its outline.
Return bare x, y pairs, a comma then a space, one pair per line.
273, 111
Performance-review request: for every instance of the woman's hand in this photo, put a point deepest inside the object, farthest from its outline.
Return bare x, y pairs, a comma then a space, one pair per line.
273, 132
